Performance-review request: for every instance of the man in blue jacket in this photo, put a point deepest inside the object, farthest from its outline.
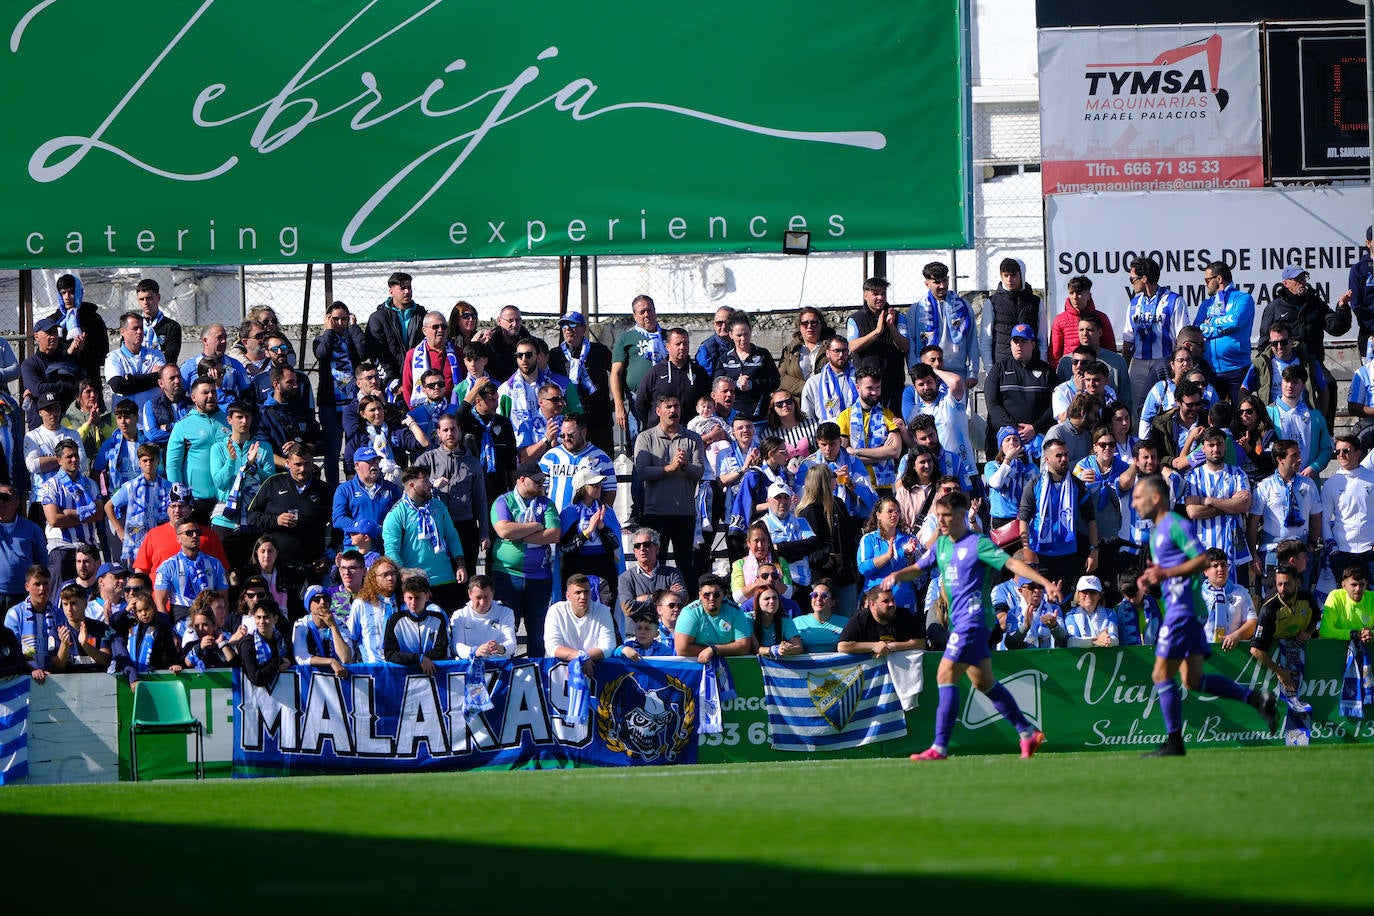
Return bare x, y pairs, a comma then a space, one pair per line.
1360, 294
365, 496
1228, 320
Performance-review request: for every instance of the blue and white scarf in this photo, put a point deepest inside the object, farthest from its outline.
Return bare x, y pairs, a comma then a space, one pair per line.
1357, 684
147, 508
129, 363
959, 323
35, 636
1055, 507
262, 649
710, 720
1218, 610
487, 450
191, 571
341, 371
868, 429
141, 642
150, 335
428, 528
577, 365
837, 391
651, 348
81, 500
579, 692
419, 365
475, 698
321, 639
231, 499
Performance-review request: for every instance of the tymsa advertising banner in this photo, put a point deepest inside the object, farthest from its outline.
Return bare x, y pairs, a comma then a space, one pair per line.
368, 130
1258, 233
1141, 109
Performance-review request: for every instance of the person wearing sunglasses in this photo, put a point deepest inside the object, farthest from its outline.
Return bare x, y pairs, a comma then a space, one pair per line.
1153, 319
1348, 507
1177, 432
586, 363
1282, 350
434, 352
711, 349
462, 324
820, 630
1227, 319
804, 351
644, 576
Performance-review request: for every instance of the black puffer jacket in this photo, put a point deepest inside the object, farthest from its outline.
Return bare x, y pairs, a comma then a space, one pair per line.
1311, 317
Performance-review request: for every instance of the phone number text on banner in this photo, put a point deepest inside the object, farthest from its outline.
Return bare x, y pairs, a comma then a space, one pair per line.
385, 718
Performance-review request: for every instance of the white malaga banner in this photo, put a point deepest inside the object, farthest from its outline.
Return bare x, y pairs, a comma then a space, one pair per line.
1150, 108
1257, 233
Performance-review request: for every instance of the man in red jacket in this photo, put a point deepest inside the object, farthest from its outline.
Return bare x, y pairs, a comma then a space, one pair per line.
1064, 330
161, 543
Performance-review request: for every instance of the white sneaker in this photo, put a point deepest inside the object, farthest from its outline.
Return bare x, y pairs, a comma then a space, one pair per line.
1297, 705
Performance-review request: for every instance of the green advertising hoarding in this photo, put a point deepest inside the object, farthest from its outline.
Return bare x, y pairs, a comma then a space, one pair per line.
1084, 699
254, 132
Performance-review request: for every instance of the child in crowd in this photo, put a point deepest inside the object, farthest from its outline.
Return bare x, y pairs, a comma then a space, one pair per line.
1137, 614
645, 639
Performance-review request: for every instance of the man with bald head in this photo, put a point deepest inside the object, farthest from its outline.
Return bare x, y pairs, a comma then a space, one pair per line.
213, 342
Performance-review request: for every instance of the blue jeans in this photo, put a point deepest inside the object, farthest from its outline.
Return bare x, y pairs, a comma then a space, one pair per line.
529, 599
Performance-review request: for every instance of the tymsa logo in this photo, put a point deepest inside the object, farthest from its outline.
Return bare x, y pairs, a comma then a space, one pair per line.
1025, 690
1161, 84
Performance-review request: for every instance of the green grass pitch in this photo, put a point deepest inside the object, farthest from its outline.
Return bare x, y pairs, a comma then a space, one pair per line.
1243, 831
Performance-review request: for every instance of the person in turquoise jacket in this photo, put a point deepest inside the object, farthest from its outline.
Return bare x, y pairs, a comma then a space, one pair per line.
418, 532
188, 447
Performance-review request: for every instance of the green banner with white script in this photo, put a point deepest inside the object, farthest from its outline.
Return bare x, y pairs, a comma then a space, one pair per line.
206, 131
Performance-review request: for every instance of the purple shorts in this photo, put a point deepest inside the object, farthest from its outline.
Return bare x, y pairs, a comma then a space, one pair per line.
1181, 636
968, 645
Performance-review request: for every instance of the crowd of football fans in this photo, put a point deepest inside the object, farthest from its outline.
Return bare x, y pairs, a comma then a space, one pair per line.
432, 489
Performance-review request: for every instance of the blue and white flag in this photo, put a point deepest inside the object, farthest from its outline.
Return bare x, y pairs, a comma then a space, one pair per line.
14, 730
830, 701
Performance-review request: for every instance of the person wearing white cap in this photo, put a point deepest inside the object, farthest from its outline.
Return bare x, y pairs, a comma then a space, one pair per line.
586, 363
1090, 622
793, 538
591, 531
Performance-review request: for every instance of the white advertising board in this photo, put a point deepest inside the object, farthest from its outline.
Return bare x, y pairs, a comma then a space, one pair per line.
1150, 108
1257, 232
